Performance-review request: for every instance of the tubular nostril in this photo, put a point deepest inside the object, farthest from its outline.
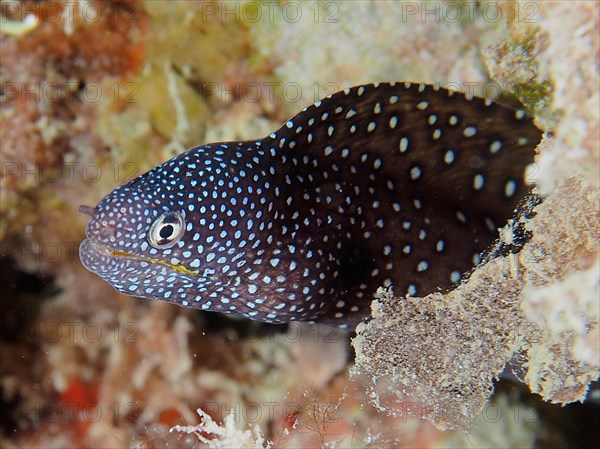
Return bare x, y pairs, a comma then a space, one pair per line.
88, 210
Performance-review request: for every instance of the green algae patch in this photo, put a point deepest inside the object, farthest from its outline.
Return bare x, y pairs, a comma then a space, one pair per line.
515, 64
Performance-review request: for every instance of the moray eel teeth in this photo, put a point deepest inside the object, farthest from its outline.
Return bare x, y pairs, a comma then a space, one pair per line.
391, 184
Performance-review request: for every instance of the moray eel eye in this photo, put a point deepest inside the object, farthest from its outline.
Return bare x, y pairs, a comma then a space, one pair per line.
167, 230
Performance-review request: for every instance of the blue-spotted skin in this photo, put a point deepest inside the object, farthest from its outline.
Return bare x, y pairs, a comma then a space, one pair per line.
391, 184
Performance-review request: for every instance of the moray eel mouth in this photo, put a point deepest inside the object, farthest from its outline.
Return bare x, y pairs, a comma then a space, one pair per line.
135, 275
180, 268
103, 260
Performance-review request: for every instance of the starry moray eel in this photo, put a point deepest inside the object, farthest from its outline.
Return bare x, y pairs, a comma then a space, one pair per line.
388, 184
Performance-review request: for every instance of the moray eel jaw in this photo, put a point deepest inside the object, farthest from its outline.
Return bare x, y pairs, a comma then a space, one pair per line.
99, 253
114, 265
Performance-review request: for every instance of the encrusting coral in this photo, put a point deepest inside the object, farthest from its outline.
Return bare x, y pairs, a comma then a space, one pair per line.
442, 353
